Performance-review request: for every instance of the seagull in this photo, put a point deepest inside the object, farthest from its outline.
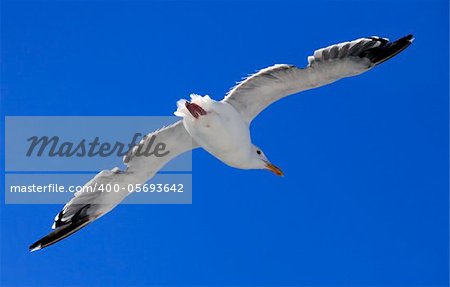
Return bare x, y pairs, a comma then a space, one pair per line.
222, 127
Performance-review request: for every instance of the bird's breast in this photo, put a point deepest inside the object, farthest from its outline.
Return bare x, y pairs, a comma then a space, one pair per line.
222, 132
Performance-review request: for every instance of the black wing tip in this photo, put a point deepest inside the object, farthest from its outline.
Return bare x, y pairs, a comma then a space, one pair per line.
405, 41
35, 246
42, 243
388, 50
58, 234
409, 37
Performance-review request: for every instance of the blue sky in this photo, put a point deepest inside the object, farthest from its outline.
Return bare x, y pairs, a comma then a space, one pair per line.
364, 200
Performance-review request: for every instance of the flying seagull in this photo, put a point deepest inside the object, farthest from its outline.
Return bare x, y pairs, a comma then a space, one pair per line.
222, 127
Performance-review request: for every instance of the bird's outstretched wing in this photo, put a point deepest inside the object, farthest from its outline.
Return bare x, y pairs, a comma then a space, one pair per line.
327, 65
91, 203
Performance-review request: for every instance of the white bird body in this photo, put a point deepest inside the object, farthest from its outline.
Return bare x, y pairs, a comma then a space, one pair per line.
222, 131
222, 128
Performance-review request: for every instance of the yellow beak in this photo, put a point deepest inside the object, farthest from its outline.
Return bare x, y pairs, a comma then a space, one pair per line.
274, 169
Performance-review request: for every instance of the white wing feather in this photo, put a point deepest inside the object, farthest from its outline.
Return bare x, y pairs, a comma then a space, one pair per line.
91, 204
327, 65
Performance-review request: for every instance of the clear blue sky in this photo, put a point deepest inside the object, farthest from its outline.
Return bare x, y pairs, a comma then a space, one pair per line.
364, 200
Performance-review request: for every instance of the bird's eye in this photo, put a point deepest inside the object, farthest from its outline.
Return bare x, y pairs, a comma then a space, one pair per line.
258, 152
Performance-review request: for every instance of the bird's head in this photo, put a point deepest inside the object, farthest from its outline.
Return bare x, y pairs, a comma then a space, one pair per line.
260, 161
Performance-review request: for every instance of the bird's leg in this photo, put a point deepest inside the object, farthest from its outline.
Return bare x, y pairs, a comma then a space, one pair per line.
195, 110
